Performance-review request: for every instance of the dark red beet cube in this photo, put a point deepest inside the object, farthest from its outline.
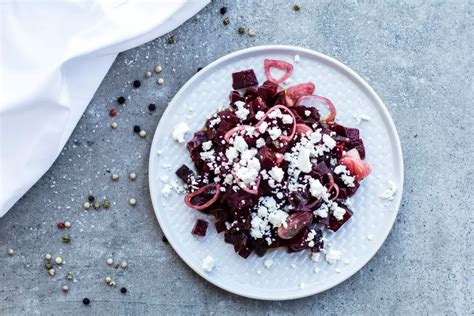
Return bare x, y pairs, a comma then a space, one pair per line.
334, 224
185, 174
200, 228
244, 79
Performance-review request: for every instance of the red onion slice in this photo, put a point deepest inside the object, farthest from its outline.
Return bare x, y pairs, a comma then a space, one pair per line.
318, 101
294, 224
215, 190
356, 166
300, 90
228, 135
279, 64
303, 129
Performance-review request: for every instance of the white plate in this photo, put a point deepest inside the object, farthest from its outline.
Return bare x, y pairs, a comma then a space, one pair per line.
359, 239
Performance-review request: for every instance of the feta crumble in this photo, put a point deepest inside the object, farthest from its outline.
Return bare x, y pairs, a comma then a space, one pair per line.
297, 58
333, 256
166, 191
389, 194
276, 173
208, 264
268, 263
315, 256
179, 132
360, 118
207, 145
259, 115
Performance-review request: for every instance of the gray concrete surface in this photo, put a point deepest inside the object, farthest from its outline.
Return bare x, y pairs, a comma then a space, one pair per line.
417, 55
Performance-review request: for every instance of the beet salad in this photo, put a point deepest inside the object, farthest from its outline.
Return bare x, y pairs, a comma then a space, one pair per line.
273, 168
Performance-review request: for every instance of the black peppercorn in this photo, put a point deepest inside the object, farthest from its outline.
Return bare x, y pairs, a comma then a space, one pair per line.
137, 84
123, 290
137, 129
223, 10
91, 198
151, 107
170, 40
164, 239
226, 21
199, 69
241, 30
86, 301
121, 100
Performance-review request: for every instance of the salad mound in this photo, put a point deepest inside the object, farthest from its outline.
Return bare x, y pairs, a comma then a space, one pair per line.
274, 168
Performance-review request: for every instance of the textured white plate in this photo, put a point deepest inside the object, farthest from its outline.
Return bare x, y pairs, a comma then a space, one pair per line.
292, 275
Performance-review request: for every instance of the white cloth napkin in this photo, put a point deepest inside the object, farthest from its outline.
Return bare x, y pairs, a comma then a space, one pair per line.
53, 56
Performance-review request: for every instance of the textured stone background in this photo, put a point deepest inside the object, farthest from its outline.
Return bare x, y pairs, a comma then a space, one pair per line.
417, 55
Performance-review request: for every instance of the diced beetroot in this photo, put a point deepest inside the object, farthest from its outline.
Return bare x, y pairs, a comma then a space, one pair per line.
319, 102
294, 224
300, 114
244, 79
267, 158
347, 192
220, 227
235, 96
320, 170
267, 91
250, 94
185, 174
245, 252
358, 144
334, 224
200, 228
301, 241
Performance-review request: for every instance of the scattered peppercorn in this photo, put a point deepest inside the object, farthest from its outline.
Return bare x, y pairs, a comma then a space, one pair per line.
51, 272
170, 40
106, 203
223, 10
164, 239
86, 301
123, 290
65, 288
133, 176
10, 252
160, 81
142, 133
148, 74
96, 205
121, 100
67, 224
124, 265
241, 30
199, 69
251, 33
296, 7
60, 225
110, 261
137, 84
47, 257
66, 239
113, 112
158, 69
58, 260
226, 21
132, 202
86, 205
108, 280
151, 107
91, 198
69, 276
137, 129
48, 266
115, 177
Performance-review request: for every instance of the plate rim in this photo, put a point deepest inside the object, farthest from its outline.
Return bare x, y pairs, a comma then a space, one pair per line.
386, 116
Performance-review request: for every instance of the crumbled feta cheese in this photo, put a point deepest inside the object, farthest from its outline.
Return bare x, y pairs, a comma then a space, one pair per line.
316, 188
260, 143
328, 141
333, 256
274, 132
315, 256
389, 194
179, 132
293, 266
207, 145
208, 264
361, 117
322, 211
207, 155
276, 173
307, 113
345, 177
316, 270
297, 58
263, 127
242, 112
240, 144
259, 115
268, 215
166, 191
304, 163
268, 263
286, 119
231, 153
214, 122
370, 236
337, 211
